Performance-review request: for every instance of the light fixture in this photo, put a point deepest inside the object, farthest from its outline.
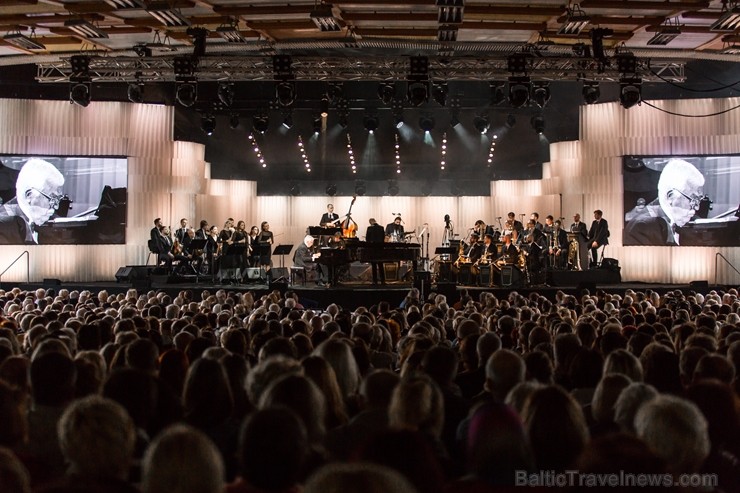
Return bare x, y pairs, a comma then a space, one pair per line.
288, 119
443, 152
575, 21
450, 11
165, 14
260, 122
331, 190
626, 63
517, 63
630, 92
439, 92
23, 42
597, 41
257, 151
370, 122
538, 124
282, 66
285, 93
426, 123
79, 93
518, 91
187, 93
295, 189
135, 92
343, 111
729, 21
198, 35
318, 123
418, 93
208, 124
324, 106
386, 92
418, 80
498, 95
481, 123
226, 93
731, 49
398, 154
398, 113
447, 33
591, 91
667, 32
491, 151
323, 17
234, 121
335, 92
353, 165
360, 188
231, 33
455, 111
85, 29
125, 4
304, 155
510, 121
541, 93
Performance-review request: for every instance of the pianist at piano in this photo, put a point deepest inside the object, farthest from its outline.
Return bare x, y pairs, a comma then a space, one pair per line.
305, 257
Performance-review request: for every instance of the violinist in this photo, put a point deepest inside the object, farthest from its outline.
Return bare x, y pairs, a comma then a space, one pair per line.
395, 230
182, 231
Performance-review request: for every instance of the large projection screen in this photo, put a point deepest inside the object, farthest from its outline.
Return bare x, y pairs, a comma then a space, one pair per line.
681, 201
53, 200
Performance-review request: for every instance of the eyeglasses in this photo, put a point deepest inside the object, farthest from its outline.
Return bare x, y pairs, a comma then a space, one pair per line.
693, 201
54, 201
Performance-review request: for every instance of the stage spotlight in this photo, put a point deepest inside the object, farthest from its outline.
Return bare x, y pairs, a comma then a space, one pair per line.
481, 123
260, 123
331, 190
591, 92
360, 188
497, 92
79, 93
518, 91
226, 93
285, 93
455, 118
324, 106
630, 94
234, 121
288, 120
393, 188
426, 123
439, 92
418, 93
208, 124
135, 92
510, 121
386, 92
370, 122
538, 124
317, 124
541, 94
187, 93
295, 190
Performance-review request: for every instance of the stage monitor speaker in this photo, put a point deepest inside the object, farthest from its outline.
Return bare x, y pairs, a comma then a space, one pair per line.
699, 285
253, 273
591, 286
124, 274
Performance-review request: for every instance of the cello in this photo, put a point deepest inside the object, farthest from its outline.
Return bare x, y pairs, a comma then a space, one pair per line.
349, 226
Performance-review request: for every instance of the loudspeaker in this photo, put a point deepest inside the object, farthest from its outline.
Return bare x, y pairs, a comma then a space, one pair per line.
123, 274
278, 272
699, 285
610, 263
253, 273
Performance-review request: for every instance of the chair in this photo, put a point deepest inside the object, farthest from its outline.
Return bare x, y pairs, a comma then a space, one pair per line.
152, 251
301, 271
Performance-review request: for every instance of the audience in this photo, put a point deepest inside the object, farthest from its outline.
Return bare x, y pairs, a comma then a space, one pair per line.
243, 393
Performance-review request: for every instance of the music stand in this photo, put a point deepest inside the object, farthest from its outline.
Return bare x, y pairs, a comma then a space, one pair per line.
282, 250
445, 250
197, 244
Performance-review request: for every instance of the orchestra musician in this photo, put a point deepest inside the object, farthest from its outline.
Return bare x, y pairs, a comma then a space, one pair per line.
487, 250
225, 237
189, 254
182, 232
166, 246
336, 241
536, 218
598, 235
481, 228
330, 219
203, 231
306, 258
548, 227
579, 228
395, 230
265, 241
509, 252
558, 246
512, 224
213, 249
253, 242
376, 234
475, 248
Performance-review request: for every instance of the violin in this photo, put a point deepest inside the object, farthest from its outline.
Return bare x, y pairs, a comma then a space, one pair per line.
349, 226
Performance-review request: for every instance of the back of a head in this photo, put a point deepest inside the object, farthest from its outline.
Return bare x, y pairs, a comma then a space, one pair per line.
440, 363
357, 478
96, 436
504, 370
182, 460
207, 396
302, 396
14, 477
606, 395
273, 446
488, 343
136, 391
142, 354
53, 377
617, 452
675, 430
629, 401
377, 387
625, 363
417, 405
714, 366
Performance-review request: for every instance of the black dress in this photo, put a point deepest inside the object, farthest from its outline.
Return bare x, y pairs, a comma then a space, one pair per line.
264, 241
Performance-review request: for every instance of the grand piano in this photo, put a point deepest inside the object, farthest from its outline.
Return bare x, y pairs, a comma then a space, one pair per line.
363, 251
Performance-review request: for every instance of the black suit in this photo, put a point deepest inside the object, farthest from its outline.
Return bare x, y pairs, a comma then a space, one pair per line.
376, 234
329, 217
598, 233
582, 232
559, 248
303, 257
14, 230
181, 234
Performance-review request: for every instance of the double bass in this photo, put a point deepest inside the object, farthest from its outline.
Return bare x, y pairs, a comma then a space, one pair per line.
349, 226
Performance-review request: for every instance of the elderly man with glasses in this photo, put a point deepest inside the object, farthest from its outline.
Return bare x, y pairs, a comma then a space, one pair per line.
38, 191
680, 190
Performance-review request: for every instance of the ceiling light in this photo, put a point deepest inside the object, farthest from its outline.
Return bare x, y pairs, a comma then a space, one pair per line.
324, 18
79, 93
418, 80
370, 122
260, 122
729, 21
731, 49
343, 110
208, 124
135, 92
626, 63
226, 93
541, 93
231, 34
447, 33
164, 13
418, 93
538, 124
426, 123
439, 92
518, 91
386, 92
575, 22
630, 92
450, 11
288, 119
187, 93
23, 42
517, 63
324, 106
318, 123
331, 190
285, 93
591, 92
481, 123
125, 4
83, 28
667, 33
